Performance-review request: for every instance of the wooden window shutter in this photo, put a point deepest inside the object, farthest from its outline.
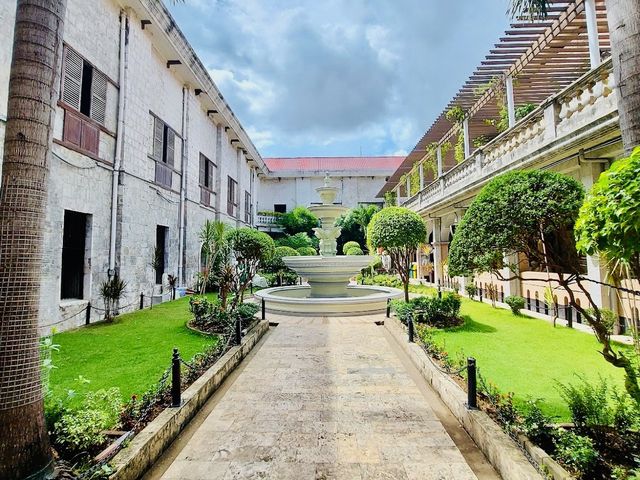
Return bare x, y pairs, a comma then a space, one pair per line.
98, 96
72, 132
210, 171
203, 170
171, 147
158, 134
72, 81
90, 136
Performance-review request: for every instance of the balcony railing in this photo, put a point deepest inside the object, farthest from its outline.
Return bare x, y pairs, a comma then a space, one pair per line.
561, 120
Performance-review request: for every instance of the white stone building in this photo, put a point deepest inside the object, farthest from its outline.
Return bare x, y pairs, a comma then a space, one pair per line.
145, 151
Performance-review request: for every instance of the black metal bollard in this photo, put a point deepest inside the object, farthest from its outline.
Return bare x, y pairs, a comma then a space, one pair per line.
238, 331
176, 399
251, 288
439, 291
141, 300
388, 308
410, 328
87, 318
263, 310
472, 385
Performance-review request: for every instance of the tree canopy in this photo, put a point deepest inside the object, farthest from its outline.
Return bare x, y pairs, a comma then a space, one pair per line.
609, 220
530, 212
298, 220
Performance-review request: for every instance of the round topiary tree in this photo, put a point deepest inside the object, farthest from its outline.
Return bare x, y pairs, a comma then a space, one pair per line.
354, 251
349, 245
251, 248
399, 231
277, 265
533, 213
306, 251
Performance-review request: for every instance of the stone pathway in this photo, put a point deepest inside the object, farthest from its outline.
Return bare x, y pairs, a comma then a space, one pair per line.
323, 398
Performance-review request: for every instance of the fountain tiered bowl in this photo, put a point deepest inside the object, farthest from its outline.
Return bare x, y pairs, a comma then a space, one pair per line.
328, 290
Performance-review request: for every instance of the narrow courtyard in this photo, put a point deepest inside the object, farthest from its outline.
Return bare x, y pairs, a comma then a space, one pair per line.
324, 397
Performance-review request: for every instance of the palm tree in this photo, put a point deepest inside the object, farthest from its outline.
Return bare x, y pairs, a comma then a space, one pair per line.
623, 17
35, 67
214, 248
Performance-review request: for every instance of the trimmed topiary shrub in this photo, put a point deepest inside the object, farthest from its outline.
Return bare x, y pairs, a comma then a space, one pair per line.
306, 251
515, 302
354, 251
349, 245
471, 289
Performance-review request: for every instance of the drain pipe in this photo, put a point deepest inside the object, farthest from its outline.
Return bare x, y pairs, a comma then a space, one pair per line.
183, 183
117, 162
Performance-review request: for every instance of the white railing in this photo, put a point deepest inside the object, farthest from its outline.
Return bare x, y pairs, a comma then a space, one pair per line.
587, 100
267, 220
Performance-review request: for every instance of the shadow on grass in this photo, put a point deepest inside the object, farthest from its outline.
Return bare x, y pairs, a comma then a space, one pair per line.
471, 325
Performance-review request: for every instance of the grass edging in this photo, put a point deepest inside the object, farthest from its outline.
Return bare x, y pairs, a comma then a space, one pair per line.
501, 451
146, 447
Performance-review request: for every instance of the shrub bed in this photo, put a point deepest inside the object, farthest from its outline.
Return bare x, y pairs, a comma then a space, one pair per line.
433, 311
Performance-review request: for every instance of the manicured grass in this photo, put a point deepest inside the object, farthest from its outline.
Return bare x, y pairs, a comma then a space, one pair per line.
131, 353
527, 356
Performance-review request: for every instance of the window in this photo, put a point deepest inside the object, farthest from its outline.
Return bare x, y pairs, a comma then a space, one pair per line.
280, 208
164, 146
84, 91
207, 175
247, 207
232, 197
74, 243
160, 252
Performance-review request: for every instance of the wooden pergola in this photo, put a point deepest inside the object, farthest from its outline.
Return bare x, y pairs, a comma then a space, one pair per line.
533, 60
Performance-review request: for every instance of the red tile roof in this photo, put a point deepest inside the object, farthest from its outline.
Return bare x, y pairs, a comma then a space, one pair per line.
333, 164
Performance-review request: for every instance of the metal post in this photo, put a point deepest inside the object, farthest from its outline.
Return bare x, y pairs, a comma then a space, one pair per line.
410, 328
472, 397
238, 331
439, 290
176, 401
87, 318
388, 308
251, 288
263, 310
141, 300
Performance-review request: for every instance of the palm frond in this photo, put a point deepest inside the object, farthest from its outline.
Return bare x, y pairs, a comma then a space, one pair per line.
533, 9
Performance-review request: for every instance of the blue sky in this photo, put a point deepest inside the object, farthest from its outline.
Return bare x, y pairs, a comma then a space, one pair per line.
339, 77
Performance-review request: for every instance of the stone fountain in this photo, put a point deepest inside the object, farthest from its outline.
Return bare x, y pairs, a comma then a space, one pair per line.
328, 275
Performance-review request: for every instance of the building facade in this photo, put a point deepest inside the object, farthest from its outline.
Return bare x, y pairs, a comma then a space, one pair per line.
561, 72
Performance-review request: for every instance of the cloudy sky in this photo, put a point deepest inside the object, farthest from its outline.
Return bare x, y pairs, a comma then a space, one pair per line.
339, 77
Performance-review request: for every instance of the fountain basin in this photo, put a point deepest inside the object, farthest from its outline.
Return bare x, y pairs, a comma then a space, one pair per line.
328, 276
360, 300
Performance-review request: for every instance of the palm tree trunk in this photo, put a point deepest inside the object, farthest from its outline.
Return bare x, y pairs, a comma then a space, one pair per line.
33, 92
624, 29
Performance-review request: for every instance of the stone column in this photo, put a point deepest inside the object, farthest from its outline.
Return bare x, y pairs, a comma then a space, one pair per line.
437, 250
421, 173
592, 32
439, 160
511, 106
467, 139
511, 287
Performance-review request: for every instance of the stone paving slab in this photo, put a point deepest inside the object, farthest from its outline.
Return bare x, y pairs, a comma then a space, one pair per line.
323, 398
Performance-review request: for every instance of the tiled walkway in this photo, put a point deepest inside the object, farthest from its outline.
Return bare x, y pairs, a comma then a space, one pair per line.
322, 398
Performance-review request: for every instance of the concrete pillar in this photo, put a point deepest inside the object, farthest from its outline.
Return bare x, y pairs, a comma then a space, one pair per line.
239, 185
439, 160
511, 106
421, 173
511, 287
437, 250
408, 186
398, 198
218, 157
603, 296
467, 140
592, 32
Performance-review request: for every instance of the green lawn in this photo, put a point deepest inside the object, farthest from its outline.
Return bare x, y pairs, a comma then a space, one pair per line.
527, 356
130, 353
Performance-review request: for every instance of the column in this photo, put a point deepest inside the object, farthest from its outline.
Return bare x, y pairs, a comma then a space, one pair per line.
467, 140
437, 251
511, 107
421, 173
511, 287
218, 170
239, 192
408, 185
592, 32
398, 198
439, 160
603, 296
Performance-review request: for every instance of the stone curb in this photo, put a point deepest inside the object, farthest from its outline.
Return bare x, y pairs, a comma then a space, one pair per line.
497, 446
146, 447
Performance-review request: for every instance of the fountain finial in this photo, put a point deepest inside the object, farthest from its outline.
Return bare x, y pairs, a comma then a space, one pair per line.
327, 179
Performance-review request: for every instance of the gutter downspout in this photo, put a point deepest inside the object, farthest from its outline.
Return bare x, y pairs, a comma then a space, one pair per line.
183, 185
117, 163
